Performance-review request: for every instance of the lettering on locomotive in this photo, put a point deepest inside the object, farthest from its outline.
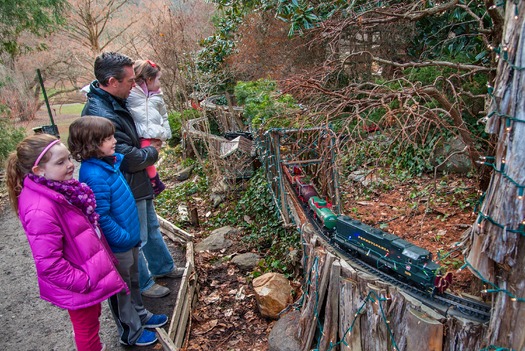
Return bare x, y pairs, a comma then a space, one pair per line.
373, 244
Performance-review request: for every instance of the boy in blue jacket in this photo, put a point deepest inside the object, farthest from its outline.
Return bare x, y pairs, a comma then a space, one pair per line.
92, 142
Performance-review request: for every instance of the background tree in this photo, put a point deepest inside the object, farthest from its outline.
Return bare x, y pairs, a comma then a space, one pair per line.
92, 27
174, 31
23, 24
18, 17
67, 63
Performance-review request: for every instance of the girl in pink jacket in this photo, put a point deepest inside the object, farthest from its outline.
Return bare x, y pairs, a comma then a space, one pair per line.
75, 268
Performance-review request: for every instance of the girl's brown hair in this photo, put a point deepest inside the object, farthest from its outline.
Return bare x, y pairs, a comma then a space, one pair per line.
86, 134
145, 69
21, 161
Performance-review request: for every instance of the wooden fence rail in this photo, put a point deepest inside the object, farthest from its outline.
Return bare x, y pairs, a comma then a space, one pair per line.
174, 338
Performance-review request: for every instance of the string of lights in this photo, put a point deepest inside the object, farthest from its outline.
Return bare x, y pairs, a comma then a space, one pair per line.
496, 348
493, 287
374, 299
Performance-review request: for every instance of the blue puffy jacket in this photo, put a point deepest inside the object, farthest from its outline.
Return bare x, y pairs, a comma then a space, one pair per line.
119, 219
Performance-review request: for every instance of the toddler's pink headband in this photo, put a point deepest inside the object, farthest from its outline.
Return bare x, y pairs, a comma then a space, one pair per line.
46, 149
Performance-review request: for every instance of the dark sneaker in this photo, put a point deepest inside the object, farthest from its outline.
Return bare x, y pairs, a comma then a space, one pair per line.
147, 338
155, 291
175, 273
156, 321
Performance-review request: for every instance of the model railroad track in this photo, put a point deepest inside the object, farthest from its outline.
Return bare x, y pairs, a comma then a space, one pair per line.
446, 304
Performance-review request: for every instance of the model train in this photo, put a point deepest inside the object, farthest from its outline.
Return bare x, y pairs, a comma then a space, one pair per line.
387, 251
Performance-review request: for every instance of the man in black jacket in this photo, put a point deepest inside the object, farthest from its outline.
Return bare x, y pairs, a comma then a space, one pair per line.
107, 98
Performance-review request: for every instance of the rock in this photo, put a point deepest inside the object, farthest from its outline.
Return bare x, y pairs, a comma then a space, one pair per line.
217, 199
246, 260
221, 187
184, 174
273, 293
365, 177
283, 336
182, 211
458, 159
216, 240
218, 192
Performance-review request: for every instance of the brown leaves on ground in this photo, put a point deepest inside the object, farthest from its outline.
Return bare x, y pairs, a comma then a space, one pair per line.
225, 317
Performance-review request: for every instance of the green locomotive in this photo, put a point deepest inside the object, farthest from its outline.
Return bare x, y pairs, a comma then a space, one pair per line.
388, 250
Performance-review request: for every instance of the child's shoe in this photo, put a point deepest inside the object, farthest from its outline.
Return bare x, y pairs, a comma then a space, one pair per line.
156, 321
157, 184
147, 338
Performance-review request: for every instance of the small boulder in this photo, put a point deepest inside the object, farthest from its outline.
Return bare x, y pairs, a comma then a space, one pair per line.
184, 174
246, 261
216, 240
273, 293
284, 334
455, 154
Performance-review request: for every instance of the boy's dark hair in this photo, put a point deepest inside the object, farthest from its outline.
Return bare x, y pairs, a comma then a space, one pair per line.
111, 64
86, 134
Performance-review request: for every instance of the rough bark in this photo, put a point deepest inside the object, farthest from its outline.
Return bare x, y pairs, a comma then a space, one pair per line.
497, 253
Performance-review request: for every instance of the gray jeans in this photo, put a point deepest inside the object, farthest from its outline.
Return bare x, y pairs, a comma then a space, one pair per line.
128, 309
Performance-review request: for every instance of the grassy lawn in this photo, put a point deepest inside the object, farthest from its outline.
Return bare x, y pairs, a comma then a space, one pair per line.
63, 116
68, 109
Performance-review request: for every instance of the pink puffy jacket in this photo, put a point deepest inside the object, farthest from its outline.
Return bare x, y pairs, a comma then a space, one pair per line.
74, 268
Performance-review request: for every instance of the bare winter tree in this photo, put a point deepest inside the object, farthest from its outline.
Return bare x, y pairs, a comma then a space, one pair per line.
97, 24
91, 27
372, 43
174, 32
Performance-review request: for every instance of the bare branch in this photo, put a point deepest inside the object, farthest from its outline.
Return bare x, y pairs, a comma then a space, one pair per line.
472, 68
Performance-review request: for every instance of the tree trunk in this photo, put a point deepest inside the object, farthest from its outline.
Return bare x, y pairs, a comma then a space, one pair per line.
497, 253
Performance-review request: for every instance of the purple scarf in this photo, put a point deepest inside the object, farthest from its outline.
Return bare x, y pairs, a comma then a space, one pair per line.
78, 194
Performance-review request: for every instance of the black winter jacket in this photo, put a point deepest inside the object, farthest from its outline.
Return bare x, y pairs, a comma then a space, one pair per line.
102, 104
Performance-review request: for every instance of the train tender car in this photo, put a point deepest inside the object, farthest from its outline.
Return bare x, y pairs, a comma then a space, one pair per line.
303, 189
323, 211
387, 250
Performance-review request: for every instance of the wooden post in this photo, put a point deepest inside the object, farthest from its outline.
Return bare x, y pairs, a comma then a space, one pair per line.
349, 302
194, 216
175, 233
373, 320
423, 332
184, 300
166, 342
282, 192
329, 336
316, 300
349, 321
